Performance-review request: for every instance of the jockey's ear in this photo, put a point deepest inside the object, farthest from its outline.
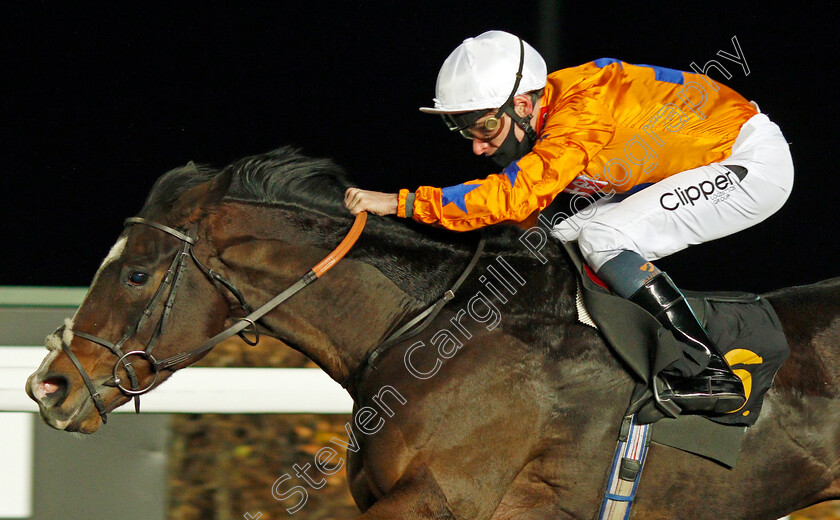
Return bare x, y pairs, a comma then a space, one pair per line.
523, 105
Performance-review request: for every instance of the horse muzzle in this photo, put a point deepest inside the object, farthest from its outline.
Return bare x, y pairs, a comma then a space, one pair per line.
60, 406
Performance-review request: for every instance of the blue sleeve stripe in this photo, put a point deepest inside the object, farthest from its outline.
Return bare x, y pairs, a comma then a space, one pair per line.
603, 62
660, 73
666, 74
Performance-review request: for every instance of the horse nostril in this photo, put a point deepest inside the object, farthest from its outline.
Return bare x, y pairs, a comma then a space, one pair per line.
50, 386
52, 390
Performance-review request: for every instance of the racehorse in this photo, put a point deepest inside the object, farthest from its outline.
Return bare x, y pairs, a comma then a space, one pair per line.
503, 406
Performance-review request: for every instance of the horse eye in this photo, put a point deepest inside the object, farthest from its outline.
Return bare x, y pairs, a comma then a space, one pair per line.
138, 278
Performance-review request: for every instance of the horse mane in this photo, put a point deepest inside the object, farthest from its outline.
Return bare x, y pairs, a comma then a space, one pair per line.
287, 175
284, 175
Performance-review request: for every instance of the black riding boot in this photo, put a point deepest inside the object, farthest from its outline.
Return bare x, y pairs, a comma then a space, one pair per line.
716, 389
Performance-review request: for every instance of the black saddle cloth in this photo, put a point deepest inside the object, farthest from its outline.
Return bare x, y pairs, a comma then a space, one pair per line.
744, 326
748, 332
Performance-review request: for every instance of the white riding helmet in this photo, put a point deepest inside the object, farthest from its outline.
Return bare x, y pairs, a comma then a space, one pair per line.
481, 72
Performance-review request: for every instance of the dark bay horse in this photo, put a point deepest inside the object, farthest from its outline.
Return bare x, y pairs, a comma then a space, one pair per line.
503, 407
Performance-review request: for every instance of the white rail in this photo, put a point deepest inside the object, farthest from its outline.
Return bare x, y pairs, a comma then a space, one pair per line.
199, 390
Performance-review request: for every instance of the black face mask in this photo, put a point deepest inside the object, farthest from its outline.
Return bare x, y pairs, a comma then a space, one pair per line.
513, 149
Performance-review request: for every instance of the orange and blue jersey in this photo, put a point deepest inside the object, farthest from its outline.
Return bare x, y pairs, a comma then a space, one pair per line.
606, 126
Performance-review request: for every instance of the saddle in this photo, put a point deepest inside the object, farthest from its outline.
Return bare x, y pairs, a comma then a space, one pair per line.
743, 325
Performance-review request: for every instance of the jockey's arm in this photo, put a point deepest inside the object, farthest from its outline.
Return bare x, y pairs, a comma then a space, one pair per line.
510, 196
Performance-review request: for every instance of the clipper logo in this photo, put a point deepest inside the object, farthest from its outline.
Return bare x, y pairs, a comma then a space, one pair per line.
714, 191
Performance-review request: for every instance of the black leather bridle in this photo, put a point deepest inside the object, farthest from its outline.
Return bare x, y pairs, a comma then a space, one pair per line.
173, 279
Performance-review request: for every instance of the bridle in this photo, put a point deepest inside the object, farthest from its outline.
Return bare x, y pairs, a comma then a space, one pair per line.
173, 279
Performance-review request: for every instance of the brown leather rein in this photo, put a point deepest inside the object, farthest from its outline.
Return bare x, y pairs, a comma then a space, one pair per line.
174, 277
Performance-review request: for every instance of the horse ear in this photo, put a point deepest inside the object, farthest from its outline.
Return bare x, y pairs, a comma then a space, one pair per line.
200, 200
218, 188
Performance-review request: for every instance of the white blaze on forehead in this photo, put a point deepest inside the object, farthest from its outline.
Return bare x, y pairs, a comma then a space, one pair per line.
115, 252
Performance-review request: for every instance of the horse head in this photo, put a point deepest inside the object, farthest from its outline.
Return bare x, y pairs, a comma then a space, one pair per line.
101, 357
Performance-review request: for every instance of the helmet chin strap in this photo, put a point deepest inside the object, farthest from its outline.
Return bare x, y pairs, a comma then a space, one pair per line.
524, 122
512, 149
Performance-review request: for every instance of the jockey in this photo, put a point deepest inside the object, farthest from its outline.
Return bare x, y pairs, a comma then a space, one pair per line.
673, 158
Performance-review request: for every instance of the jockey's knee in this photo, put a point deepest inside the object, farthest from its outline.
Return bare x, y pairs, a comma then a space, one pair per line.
599, 243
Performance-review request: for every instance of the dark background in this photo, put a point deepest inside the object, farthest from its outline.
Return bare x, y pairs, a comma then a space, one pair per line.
100, 100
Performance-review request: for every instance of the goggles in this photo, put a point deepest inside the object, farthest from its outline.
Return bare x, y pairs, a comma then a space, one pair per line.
470, 128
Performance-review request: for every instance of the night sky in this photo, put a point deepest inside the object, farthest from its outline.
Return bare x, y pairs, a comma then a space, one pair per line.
98, 101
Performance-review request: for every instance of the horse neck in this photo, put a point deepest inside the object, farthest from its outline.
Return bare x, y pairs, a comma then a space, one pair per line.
810, 316
339, 320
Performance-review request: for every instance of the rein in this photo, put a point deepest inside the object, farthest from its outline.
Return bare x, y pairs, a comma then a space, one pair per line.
250, 320
173, 279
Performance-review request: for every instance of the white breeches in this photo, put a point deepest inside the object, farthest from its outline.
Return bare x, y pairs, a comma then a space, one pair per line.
690, 207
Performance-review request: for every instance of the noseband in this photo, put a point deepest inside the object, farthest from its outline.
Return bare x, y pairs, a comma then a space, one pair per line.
173, 279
